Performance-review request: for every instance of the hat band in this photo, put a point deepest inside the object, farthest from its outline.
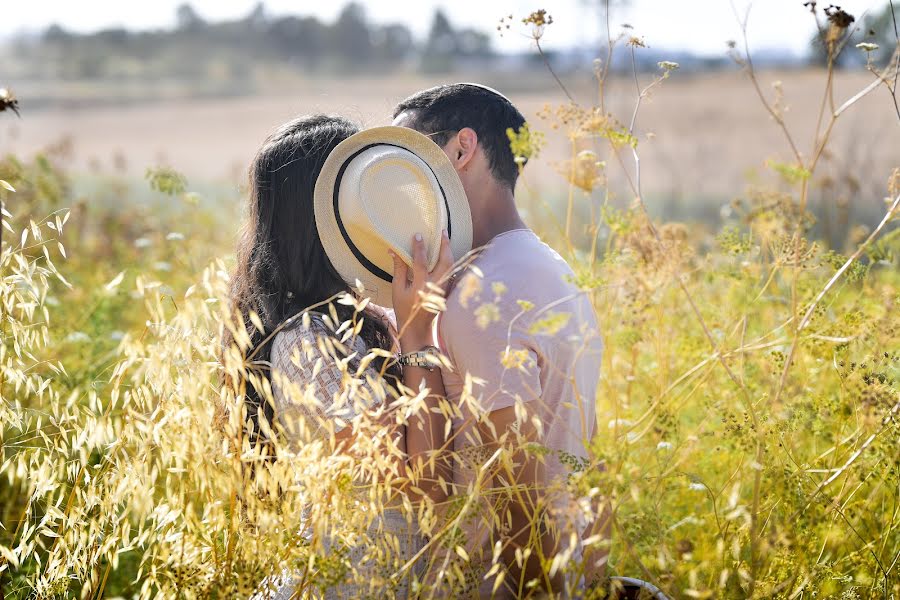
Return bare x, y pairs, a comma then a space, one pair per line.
365, 262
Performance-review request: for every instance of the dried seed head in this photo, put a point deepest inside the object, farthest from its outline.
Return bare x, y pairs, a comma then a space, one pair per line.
9, 101
838, 17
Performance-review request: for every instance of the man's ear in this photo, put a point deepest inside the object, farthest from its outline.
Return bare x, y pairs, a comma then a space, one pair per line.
466, 143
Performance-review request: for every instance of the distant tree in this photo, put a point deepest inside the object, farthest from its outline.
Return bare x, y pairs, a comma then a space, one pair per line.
257, 17
441, 46
473, 43
350, 35
187, 18
55, 34
393, 42
441, 38
115, 36
298, 38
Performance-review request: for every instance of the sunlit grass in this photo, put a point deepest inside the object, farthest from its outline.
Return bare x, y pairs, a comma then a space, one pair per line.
747, 409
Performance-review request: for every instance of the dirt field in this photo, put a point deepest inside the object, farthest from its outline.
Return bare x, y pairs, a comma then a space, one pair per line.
709, 131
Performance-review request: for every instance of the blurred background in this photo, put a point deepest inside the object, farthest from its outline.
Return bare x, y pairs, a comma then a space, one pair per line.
112, 89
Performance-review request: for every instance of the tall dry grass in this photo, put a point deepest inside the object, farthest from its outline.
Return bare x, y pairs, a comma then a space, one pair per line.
747, 409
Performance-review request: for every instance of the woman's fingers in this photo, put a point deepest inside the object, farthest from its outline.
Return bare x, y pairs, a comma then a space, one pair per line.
401, 271
445, 260
420, 274
420, 260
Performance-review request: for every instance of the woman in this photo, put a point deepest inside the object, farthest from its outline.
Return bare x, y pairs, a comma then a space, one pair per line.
283, 270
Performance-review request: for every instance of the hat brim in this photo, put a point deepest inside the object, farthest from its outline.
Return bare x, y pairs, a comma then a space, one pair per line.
347, 260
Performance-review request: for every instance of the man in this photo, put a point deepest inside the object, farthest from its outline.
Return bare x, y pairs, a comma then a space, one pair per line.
528, 338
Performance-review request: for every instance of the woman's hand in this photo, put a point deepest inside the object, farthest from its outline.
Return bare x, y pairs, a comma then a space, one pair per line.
427, 461
414, 322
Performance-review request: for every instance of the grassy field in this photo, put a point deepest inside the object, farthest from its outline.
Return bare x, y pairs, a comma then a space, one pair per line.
748, 404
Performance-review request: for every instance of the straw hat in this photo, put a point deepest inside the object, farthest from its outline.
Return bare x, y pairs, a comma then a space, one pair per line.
376, 190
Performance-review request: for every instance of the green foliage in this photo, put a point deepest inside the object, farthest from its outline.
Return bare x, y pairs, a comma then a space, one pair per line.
167, 181
621, 138
732, 241
836, 260
549, 324
792, 174
525, 143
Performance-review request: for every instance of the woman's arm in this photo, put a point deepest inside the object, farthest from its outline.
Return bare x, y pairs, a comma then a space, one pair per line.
428, 460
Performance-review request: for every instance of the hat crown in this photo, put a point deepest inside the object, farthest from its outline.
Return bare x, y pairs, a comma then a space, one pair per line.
377, 189
387, 195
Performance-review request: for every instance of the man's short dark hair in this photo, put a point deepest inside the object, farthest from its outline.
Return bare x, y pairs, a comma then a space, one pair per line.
442, 111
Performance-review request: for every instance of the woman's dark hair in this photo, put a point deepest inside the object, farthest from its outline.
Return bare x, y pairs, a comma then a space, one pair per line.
282, 268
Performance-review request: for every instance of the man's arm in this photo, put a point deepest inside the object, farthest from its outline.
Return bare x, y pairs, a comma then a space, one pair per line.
521, 478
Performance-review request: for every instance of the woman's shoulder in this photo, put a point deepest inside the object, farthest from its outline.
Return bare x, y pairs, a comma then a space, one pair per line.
305, 331
299, 331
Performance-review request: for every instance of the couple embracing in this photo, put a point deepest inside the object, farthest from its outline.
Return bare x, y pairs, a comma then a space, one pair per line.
397, 214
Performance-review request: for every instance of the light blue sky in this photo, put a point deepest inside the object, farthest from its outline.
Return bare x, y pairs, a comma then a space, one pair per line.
699, 25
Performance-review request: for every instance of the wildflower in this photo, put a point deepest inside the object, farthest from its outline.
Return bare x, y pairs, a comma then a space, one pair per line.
486, 314
697, 487
894, 183
586, 171
525, 143
636, 42
664, 446
538, 18
142, 242
868, 47
116, 335
162, 265
175, 236
514, 359
668, 65
839, 18
551, 324
470, 286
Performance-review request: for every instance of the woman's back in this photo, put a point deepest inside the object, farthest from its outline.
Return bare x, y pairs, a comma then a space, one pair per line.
315, 396
310, 389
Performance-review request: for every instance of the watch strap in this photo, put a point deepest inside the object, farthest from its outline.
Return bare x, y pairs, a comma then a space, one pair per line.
422, 358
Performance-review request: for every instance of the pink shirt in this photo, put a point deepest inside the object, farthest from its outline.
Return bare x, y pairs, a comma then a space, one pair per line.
517, 299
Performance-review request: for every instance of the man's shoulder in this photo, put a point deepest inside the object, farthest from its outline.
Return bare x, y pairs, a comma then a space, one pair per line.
521, 258
509, 275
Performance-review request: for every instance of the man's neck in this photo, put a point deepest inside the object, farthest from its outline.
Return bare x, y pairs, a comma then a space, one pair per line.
498, 215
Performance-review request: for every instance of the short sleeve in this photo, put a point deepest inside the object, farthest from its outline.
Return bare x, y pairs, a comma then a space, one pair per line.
313, 381
503, 360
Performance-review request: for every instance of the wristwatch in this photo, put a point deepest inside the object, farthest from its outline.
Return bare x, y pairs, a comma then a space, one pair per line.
421, 358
